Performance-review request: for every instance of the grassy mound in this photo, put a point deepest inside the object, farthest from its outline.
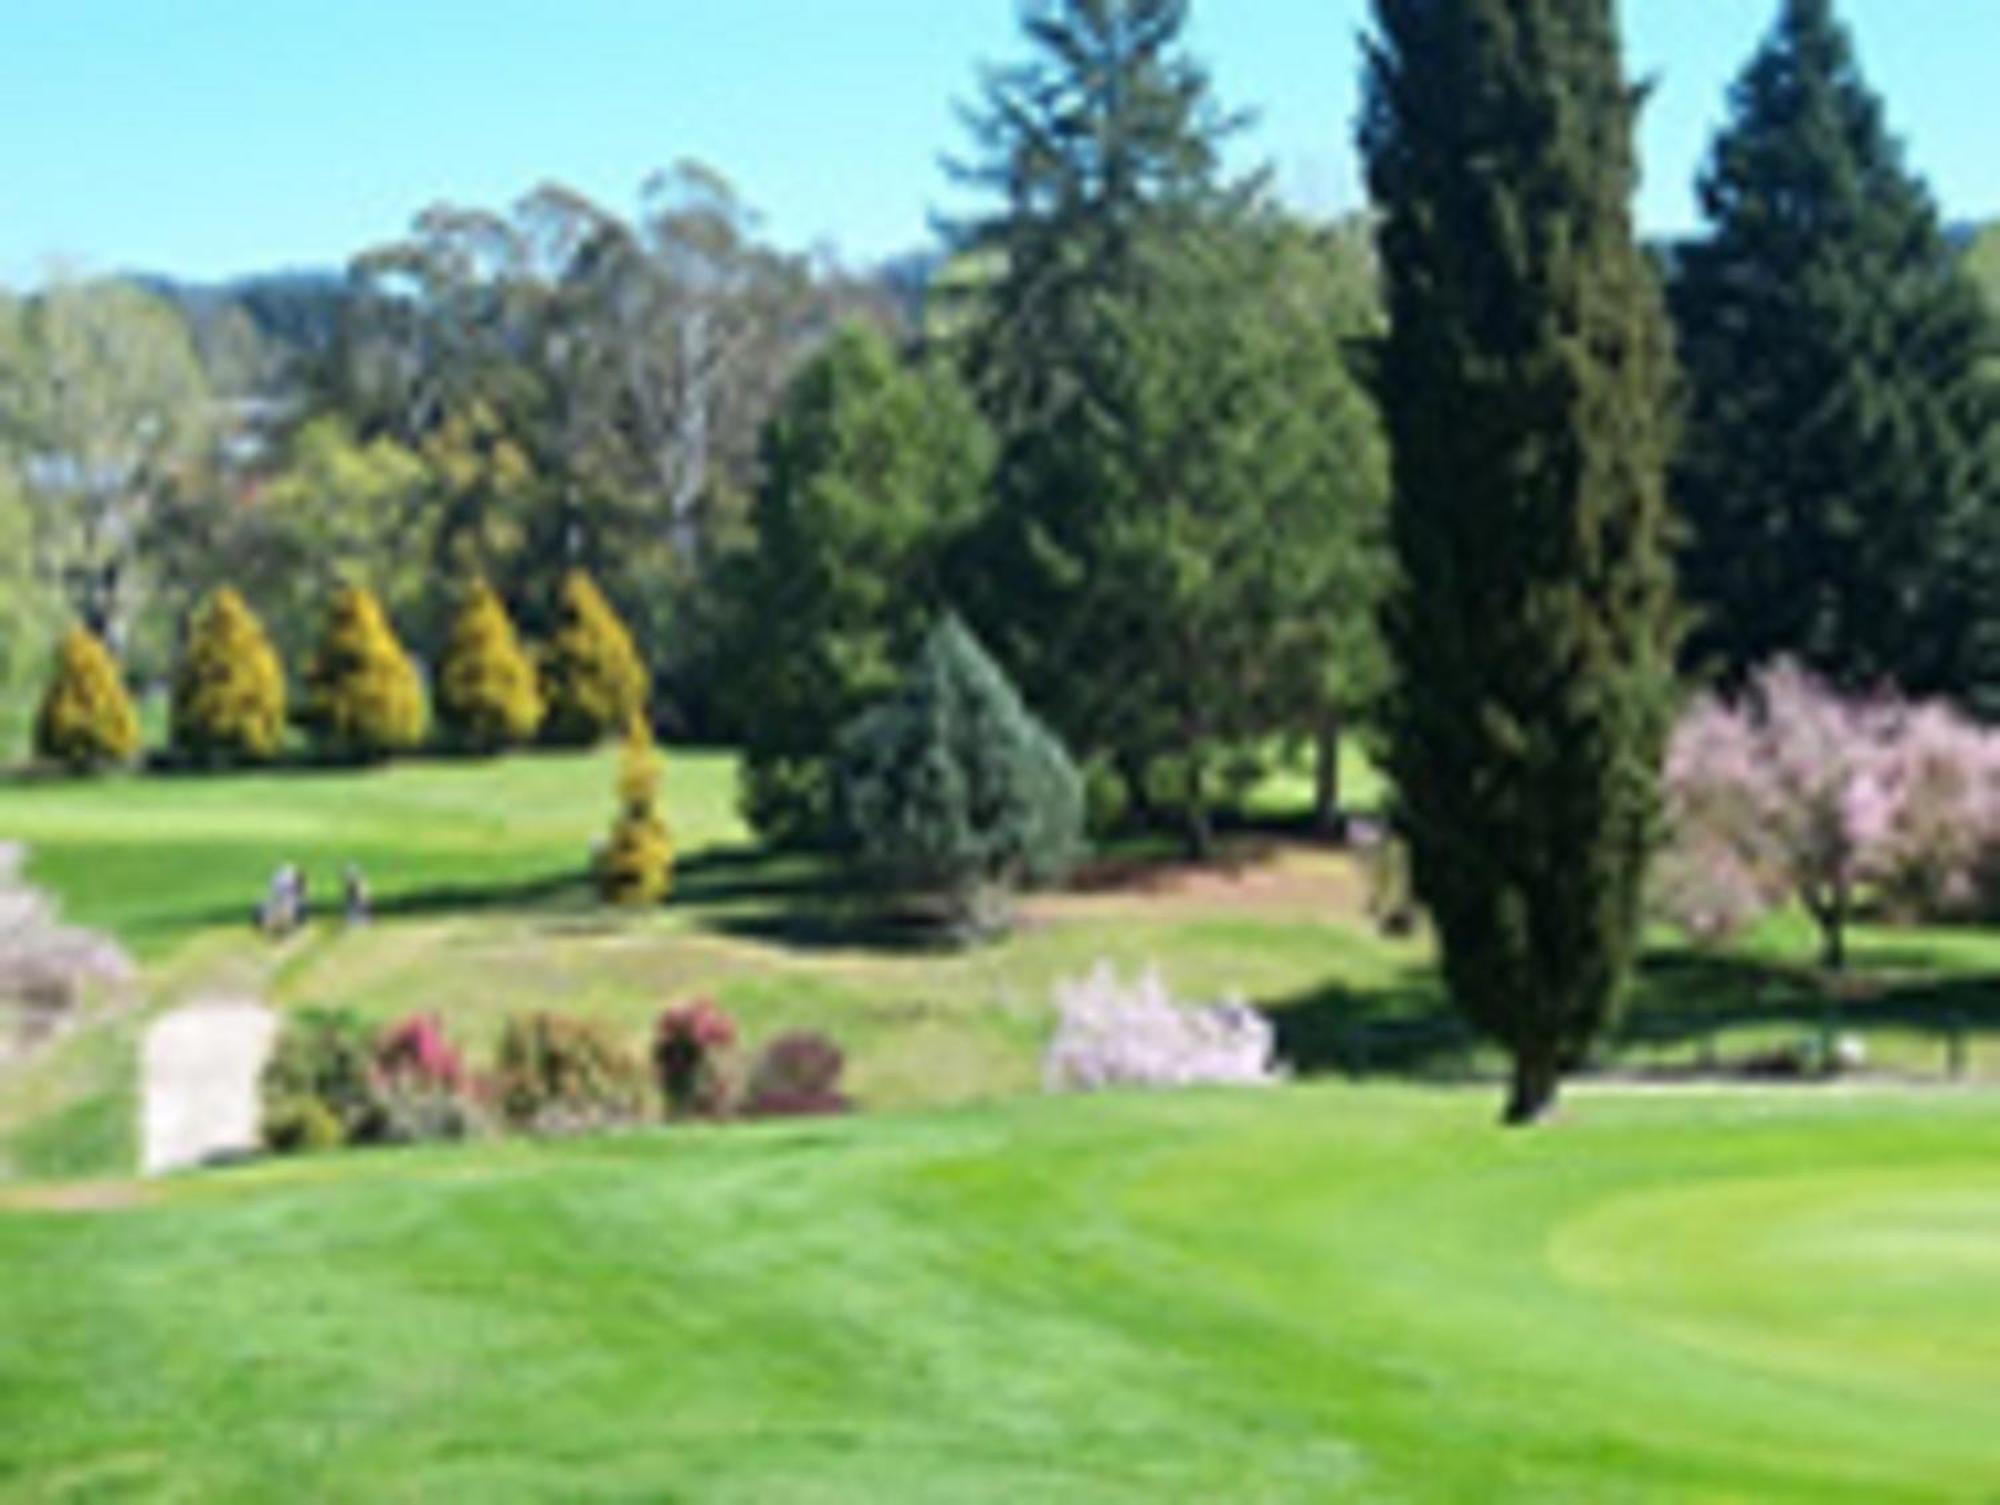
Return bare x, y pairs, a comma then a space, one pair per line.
1313, 1295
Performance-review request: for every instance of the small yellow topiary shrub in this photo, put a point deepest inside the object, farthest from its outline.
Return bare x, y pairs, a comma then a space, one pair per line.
87, 720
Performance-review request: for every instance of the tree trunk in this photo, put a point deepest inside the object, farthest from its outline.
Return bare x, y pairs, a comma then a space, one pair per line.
1200, 833
1531, 1095
1138, 793
1326, 779
1830, 914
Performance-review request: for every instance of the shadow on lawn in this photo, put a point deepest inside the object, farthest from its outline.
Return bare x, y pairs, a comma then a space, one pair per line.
1679, 1000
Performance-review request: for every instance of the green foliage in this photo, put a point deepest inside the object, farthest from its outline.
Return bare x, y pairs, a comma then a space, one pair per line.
87, 719
1838, 472
229, 696
30, 616
951, 793
101, 382
1525, 380
871, 468
364, 698
1101, 148
488, 695
1185, 546
636, 865
557, 1075
339, 508
318, 1087
593, 680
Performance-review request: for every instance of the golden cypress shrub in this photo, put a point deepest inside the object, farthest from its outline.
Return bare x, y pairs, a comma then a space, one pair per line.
592, 676
87, 719
229, 696
364, 698
487, 694
637, 864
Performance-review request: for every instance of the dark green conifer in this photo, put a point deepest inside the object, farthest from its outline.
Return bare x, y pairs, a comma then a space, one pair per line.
1533, 628
1836, 473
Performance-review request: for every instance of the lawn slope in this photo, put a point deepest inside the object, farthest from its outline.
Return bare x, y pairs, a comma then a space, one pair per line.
1312, 1295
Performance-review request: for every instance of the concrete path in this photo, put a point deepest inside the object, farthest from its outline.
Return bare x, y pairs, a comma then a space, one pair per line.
198, 1083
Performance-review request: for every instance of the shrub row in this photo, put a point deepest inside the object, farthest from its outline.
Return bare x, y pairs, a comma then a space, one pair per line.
334, 1081
362, 696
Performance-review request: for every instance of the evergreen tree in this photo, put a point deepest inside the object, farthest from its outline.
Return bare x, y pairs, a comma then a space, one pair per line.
229, 697
637, 863
488, 696
363, 696
1525, 380
593, 680
1100, 148
87, 720
1247, 581
1836, 475
950, 793
871, 469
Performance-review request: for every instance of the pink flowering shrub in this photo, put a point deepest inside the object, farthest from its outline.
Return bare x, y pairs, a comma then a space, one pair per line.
1111, 1035
46, 966
421, 1085
1795, 792
690, 1044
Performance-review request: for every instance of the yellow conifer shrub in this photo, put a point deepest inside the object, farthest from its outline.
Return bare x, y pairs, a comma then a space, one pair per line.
229, 696
592, 676
637, 864
363, 696
487, 694
87, 719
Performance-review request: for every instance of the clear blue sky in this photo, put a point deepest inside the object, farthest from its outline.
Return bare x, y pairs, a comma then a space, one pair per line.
208, 137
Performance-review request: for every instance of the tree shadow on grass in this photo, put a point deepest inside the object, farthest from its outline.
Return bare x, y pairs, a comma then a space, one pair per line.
1679, 1000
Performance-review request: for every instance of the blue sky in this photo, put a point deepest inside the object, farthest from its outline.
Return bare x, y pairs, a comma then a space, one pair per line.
208, 137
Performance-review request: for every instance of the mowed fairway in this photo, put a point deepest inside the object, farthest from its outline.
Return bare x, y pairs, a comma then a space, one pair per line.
1312, 1294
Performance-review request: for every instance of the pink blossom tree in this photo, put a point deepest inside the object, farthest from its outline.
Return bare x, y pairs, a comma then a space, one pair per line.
1789, 790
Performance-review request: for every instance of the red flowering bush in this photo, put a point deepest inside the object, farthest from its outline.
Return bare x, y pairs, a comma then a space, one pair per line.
689, 1047
421, 1085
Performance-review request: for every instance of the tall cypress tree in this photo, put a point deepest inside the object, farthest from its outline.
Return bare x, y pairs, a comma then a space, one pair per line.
1838, 428
1533, 627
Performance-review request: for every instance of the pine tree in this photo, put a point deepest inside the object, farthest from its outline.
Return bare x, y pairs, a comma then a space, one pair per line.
593, 680
488, 695
1102, 148
87, 720
871, 470
636, 865
950, 792
229, 697
1525, 381
364, 698
1836, 474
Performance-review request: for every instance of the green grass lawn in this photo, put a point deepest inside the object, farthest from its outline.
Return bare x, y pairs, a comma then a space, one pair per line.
1315, 1294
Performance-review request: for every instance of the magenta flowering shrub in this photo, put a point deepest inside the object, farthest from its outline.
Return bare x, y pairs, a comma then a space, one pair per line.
422, 1086
690, 1045
1109, 1034
1793, 791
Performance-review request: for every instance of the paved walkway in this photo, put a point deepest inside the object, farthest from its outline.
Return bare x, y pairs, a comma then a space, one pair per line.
198, 1084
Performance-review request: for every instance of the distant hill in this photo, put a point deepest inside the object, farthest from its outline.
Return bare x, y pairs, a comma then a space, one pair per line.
295, 316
